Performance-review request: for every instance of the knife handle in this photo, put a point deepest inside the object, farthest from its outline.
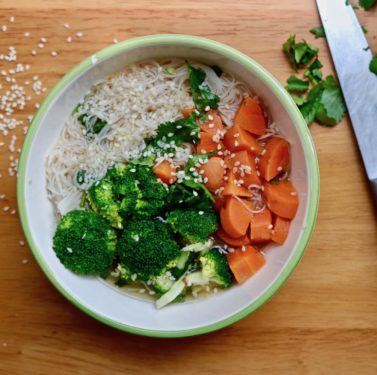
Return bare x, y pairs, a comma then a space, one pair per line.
373, 184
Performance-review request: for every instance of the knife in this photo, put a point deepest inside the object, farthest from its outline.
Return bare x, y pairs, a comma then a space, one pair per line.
351, 56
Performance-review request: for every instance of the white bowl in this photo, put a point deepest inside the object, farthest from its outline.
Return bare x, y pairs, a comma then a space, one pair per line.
103, 301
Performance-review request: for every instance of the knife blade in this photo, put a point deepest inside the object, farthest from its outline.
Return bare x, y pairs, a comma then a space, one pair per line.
348, 47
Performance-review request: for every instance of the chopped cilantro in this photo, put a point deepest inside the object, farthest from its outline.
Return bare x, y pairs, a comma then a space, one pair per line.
373, 65
92, 124
313, 73
324, 103
180, 131
299, 54
296, 84
170, 70
298, 99
318, 32
367, 4
201, 93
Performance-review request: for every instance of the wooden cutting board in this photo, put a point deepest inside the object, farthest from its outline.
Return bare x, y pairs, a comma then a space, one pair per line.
323, 321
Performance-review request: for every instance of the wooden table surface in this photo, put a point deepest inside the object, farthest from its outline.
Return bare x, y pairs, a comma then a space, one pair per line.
324, 319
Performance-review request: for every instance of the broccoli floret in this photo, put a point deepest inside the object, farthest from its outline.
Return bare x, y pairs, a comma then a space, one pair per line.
85, 243
163, 283
124, 275
146, 247
215, 269
194, 226
101, 199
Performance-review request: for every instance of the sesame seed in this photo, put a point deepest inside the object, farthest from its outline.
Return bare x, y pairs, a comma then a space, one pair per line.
11, 19
293, 193
54, 53
279, 168
24, 261
4, 28
13, 212
26, 34
207, 108
79, 34
66, 25
33, 52
270, 226
210, 117
69, 250
40, 45
6, 208
69, 39
210, 126
43, 40
115, 41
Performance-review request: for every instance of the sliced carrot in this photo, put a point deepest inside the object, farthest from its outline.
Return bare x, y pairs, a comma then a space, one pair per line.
281, 229
219, 202
187, 111
207, 144
245, 264
233, 188
237, 139
213, 125
235, 242
235, 218
275, 159
165, 171
260, 226
250, 117
213, 173
243, 166
281, 198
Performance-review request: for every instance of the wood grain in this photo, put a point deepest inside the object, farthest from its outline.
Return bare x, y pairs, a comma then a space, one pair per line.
323, 321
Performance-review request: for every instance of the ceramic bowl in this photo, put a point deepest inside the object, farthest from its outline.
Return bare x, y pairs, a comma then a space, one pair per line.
105, 302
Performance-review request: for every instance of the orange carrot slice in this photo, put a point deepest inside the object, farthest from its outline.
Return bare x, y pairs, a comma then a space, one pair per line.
281, 229
235, 218
213, 125
281, 198
275, 159
187, 111
245, 264
231, 241
233, 188
207, 144
243, 166
213, 173
165, 171
250, 117
260, 226
219, 202
237, 139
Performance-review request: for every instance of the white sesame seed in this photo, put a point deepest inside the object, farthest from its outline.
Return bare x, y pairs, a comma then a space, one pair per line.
69, 250
293, 193
24, 261
115, 41
43, 40
26, 34
40, 45
6, 208
279, 168
54, 53
69, 39
11, 19
210, 117
33, 52
13, 212
207, 108
4, 28
201, 212
66, 25
270, 226
79, 34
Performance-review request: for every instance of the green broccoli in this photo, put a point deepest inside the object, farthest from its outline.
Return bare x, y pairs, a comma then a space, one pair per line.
215, 269
85, 243
102, 200
124, 275
146, 247
194, 226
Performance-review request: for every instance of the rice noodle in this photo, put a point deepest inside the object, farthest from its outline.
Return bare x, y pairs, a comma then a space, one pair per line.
133, 103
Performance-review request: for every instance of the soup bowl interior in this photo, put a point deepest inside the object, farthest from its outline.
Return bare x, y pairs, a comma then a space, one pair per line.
104, 301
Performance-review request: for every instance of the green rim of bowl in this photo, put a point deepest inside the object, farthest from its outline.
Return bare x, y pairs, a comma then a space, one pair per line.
267, 79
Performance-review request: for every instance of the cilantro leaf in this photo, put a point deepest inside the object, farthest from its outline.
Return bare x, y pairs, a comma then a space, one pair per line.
313, 72
299, 54
92, 124
298, 99
373, 65
296, 84
318, 32
201, 93
310, 107
332, 107
367, 4
180, 131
